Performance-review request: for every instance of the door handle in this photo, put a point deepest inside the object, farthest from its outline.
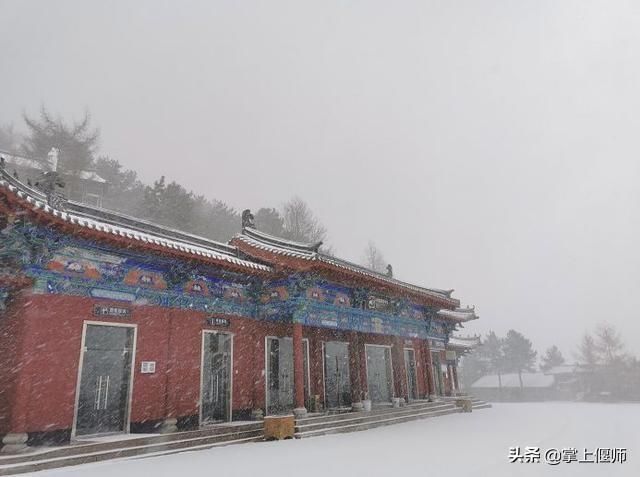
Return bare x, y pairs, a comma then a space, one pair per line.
100, 402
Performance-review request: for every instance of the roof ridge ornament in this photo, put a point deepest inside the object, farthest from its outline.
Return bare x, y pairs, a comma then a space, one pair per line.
248, 220
49, 183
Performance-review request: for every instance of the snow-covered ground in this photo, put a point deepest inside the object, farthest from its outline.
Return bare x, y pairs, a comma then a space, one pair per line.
475, 444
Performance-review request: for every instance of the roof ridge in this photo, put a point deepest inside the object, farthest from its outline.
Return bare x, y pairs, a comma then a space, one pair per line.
255, 233
263, 240
129, 227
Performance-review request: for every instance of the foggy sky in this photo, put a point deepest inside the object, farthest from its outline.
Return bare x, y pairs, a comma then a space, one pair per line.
487, 146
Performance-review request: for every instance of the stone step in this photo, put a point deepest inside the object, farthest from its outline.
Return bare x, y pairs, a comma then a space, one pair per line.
87, 446
481, 405
125, 448
373, 412
363, 417
377, 422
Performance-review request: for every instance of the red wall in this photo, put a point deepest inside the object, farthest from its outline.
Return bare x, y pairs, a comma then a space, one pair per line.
44, 333
11, 333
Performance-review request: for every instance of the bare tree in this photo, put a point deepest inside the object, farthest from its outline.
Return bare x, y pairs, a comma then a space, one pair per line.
373, 258
300, 223
608, 344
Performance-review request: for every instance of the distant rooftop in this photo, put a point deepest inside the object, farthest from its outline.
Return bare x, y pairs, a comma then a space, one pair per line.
24, 162
511, 380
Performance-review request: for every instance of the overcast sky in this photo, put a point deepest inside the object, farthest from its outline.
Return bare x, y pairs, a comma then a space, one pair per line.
487, 146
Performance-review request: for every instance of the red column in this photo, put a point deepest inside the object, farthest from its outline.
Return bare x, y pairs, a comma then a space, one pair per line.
399, 371
170, 423
298, 369
449, 381
354, 371
454, 369
259, 373
428, 369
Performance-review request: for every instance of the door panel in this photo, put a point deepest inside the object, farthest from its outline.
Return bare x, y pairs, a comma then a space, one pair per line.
105, 380
216, 377
336, 374
412, 375
280, 385
379, 374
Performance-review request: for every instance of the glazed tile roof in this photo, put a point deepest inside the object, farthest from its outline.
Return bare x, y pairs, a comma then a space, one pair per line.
463, 342
144, 232
459, 314
137, 230
262, 241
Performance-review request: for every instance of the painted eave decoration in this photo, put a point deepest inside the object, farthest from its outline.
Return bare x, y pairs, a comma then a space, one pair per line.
255, 243
108, 224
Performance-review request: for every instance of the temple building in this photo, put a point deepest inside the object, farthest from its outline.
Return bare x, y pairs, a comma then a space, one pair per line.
110, 324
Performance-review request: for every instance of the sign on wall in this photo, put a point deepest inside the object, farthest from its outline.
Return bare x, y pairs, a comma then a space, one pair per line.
436, 345
148, 367
218, 321
109, 310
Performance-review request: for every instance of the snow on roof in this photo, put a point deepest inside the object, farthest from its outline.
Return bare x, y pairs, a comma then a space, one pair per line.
459, 314
467, 342
304, 251
31, 163
529, 380
91, 176
21, 161
564, 369
127, 227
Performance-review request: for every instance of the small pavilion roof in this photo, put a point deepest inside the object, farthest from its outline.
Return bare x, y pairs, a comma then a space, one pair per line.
459, 314
463, 342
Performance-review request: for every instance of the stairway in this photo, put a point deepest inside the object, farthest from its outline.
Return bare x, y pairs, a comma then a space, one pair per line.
479, 404
360, 421
82, 452
87, 451
475, 402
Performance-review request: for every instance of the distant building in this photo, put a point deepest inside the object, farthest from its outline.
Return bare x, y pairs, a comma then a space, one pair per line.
565, 382
84, 186
506, 387
457, 347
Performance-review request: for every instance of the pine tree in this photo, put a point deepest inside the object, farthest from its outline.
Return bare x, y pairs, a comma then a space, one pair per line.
493, 349
270, 221
124, 190
587, 353
77, 143
552, 357
9, 138
519, 354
